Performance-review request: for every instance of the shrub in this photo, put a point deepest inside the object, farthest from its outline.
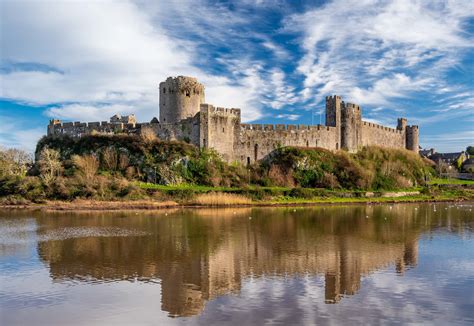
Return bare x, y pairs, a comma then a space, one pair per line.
370, 168
302, 193
148, 135
87, 166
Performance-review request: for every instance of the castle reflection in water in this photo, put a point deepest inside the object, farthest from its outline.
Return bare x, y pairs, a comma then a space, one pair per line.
201, 254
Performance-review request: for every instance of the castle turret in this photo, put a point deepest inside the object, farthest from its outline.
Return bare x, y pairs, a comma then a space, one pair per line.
351, 127
401, 124
412, 138
180, 98
333, 116
51, 126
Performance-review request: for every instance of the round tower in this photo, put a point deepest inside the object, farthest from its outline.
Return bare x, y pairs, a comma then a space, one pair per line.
180, 98
351, 125
412, 138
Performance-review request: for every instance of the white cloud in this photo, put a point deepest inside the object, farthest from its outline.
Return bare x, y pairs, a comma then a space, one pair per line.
77, 112
398, 85
277, 50
106, 55
358, 48
291, 117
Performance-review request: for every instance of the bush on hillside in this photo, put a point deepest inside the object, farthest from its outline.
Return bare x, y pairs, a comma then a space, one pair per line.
371, 168
152, 160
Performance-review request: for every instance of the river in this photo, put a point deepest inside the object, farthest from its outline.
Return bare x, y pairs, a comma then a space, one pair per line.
352, 264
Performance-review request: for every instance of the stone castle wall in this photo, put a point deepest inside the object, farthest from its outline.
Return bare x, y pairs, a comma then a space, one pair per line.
78, 129
257, 141
219, 129
184, 117
186, 130
374, 134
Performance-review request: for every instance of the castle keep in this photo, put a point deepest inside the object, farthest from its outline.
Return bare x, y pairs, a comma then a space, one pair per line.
185, 116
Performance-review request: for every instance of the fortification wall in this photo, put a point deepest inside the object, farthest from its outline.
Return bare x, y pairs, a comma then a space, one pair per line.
374, 134
256, 141
186, 130
78, 129
219, 129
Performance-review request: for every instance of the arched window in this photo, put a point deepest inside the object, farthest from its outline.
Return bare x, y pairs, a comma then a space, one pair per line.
256, 152
164, 90
188, 93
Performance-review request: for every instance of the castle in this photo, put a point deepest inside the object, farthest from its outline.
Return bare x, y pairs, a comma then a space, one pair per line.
185, 116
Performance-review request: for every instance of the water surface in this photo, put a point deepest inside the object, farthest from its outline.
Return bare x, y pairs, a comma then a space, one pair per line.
352, 264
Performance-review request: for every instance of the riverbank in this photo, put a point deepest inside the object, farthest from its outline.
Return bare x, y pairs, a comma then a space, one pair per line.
221, 199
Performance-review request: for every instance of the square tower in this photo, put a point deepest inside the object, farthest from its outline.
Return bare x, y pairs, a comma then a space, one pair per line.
333, 116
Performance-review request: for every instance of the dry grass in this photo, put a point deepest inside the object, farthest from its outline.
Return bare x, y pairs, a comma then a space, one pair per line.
148, 135
220, 199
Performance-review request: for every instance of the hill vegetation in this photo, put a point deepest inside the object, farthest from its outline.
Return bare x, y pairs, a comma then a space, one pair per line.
111, 167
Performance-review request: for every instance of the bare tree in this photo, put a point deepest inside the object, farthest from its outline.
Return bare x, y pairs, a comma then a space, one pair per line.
14, 162
110, 159
49, 165
87, 166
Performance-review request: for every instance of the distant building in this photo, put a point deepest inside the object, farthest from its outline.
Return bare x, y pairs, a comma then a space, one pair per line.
449, 158
127, 119
468, 166
427, 152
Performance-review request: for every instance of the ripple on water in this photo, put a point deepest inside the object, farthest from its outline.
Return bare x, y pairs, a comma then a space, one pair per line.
16, 234
86, 232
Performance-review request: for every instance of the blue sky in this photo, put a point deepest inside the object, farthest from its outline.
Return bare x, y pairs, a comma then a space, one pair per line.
276, 60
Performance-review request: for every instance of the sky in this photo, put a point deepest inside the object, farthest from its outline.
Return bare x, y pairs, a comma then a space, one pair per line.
276, 60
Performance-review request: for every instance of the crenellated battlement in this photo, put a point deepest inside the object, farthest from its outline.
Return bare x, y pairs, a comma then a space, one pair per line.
377, 126
333, 97
183, 85
219, 110
78, 128
283, 127
351, 106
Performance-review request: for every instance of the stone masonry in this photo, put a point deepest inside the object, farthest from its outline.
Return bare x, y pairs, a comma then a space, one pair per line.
185, 116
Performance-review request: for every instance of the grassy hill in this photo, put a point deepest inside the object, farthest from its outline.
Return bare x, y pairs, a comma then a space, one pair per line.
111, 167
